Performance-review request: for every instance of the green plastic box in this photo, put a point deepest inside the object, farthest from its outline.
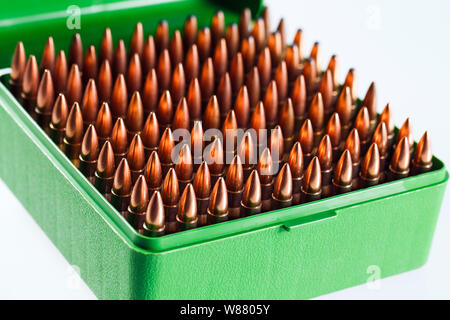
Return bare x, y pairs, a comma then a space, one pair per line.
294, 253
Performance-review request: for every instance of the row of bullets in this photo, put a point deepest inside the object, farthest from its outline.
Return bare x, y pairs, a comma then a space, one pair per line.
120, 133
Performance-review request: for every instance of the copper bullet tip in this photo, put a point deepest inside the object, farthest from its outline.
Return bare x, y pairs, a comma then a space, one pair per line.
192, 63
247, 151
423, 155
242, 107
139, 196
237, 73
178, 83
164, 70
153, 171
105, 82
235, 175
218, 201
176, 48
333, 67
197, 143
212, 114
354, 146
282, 189
271, 102
135, 114
299, 96
60, 113
264, 67
325, 153
136, 154
134, 74
266, 16
137, 40
215, 157
244, 23
104, 123
119, 139
105, 163
344, 106
232, 39
276, 143
149, 55
166, 146
30, 78
343, 173
170, 188
204, 43
150, 133
90, 65
299, 41
248, 50
281, 28
190, 31
292, 62
76, 51
406, 131
252, 195
45, 93
401, 157
217, 26
90, 102
165, 109
326, 89
388, 119
229, 132
259, 33
380, 137
350, 82
370, 101
207, 79
286, 119
220, 58
265, 167
122, 179
312, 182
224, 93
187, 209
89, 146
184, 167
306, 137
162, 36
295, 161
106, 46
74, 126
194, 100
316, 54
18, 63
155, 217
362, 124
316, 112
48, 56
334, 130
181, 116
119, 98
370, 168
119, 63
150, 92
258, 120
281, 80
310, 74
275, 47
202, 181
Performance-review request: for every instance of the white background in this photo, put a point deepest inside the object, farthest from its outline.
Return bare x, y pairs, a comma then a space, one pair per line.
401, 45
